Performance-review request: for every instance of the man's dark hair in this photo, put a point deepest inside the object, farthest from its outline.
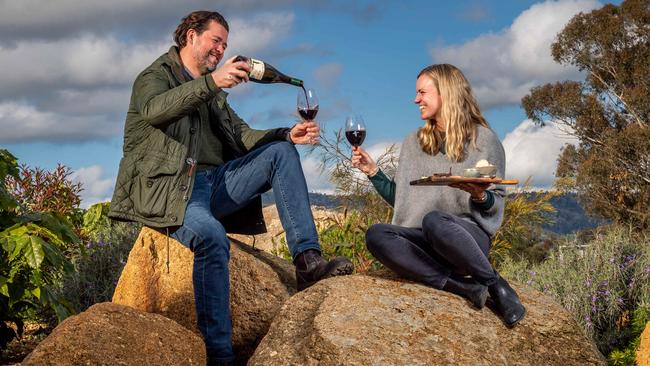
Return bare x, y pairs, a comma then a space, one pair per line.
199, 21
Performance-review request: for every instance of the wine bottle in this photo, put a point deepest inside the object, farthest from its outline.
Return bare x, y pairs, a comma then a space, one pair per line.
262, 72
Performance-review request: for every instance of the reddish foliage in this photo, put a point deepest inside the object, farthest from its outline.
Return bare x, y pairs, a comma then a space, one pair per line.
37, 190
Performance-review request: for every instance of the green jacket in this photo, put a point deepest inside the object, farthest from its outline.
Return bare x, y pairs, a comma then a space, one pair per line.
161, 135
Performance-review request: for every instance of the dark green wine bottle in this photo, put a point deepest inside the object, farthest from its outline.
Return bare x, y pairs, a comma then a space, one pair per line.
264, 73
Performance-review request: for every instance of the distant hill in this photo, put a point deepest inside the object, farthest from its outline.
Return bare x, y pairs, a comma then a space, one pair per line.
569, 217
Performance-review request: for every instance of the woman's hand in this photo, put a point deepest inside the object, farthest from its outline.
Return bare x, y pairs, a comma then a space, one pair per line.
362, 161
306, 132
475, 190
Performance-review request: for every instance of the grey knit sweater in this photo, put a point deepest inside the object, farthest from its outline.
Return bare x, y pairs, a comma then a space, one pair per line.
412, 203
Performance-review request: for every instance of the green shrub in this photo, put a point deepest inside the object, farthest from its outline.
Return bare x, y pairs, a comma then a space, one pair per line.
601, 282
520, 235
346, 236
340, 235
96, 221
32, 263
626, 356
99, 263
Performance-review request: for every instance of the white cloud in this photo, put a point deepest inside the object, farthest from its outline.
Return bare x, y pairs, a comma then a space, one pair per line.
89, 102
317, 180
96, 187
378, 149
21, 122
532, 151
35, 67
503, 67
250, 36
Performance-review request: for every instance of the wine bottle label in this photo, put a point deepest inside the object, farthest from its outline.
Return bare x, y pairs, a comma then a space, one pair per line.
257, 69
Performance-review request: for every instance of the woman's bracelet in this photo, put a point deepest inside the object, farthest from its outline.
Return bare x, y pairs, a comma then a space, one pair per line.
481, 199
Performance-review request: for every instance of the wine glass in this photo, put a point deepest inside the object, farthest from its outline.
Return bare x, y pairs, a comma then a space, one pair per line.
307, 105
355, 130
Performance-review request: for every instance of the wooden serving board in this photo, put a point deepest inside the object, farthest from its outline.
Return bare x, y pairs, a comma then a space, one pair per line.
444, 181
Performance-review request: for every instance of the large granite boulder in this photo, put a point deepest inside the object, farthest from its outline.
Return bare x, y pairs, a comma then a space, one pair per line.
363, 320
259, 284
112, 334
643, 352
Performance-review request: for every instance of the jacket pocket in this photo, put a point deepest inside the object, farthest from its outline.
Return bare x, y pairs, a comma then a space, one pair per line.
154, 185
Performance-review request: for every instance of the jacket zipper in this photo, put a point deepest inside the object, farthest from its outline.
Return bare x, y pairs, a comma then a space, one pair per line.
192, 164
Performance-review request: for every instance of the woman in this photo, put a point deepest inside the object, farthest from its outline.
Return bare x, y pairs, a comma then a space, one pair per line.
441, 235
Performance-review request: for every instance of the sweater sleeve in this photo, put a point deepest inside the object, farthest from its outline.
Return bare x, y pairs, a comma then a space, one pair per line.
490, 216
384, 186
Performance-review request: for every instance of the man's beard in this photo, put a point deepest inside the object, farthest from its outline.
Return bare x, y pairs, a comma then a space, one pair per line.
205, 67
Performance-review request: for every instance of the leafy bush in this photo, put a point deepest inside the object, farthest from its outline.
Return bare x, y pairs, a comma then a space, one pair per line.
601, 281
38, 190
524, 216
32, 263
627, 356
346, 236
98, 265
96, 221
341, 234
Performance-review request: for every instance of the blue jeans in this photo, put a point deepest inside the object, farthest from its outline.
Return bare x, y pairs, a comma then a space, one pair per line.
222, 191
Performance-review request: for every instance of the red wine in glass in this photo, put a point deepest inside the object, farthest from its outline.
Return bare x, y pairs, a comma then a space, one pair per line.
308, 114
355, 137
307, 104
355, 130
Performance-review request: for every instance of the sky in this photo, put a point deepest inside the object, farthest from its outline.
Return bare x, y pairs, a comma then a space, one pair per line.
67, 67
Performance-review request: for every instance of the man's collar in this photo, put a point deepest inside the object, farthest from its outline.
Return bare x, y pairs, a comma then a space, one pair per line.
176, 64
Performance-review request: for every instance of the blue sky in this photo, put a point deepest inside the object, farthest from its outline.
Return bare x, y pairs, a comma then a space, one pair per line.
67, 71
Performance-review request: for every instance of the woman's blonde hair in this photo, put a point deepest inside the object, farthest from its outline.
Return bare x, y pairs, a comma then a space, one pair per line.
459, 111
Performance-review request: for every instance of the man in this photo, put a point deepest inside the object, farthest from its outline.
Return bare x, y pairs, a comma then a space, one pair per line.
193, 168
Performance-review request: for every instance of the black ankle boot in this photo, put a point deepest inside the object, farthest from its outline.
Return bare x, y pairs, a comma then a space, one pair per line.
311, 268
507, 302
469, 289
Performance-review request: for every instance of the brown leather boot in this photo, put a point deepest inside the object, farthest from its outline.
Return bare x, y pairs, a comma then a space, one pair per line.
311, 268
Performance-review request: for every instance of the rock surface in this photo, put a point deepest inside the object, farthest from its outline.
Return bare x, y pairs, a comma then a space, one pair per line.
363, 320
259, 284
112, 334
271, 241
643, 353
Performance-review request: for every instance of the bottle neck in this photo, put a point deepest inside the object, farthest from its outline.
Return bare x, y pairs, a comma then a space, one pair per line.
296, 82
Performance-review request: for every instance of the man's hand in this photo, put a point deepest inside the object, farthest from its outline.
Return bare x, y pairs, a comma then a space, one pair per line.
362, 161
306, 132
231, 73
